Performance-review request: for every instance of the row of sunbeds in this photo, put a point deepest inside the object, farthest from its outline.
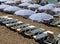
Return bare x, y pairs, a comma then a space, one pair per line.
27, 29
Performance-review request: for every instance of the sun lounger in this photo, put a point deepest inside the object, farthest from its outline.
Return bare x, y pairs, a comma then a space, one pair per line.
55, 23
34, 32
19, 26
4, 19
26, 29
58, 26
51, 39
3, 16
10, 21
40, 36
13, 24
57, 15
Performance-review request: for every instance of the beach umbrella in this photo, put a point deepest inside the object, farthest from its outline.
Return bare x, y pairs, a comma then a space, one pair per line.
40, 17
12, 2
34, 6
3, 6
24, 5
3, 0
26, 1
9, 2
47, 7
11, 9
24, 13
17, 0
57, 10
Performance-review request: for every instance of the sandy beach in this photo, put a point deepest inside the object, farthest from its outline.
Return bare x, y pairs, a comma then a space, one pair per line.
10, 37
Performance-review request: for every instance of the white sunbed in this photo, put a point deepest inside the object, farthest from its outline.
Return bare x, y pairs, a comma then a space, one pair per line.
13, 24
40, 36
34, 32
19, 27
26, 29
5, 19
10, 21
57, 15
3, 16
56, 23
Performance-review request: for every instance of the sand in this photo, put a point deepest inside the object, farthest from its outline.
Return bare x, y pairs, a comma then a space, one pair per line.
10, 37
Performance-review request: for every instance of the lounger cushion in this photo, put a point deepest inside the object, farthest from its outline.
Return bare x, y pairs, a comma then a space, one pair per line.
39, 17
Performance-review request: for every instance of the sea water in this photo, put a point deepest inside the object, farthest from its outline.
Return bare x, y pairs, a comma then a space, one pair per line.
51, 1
